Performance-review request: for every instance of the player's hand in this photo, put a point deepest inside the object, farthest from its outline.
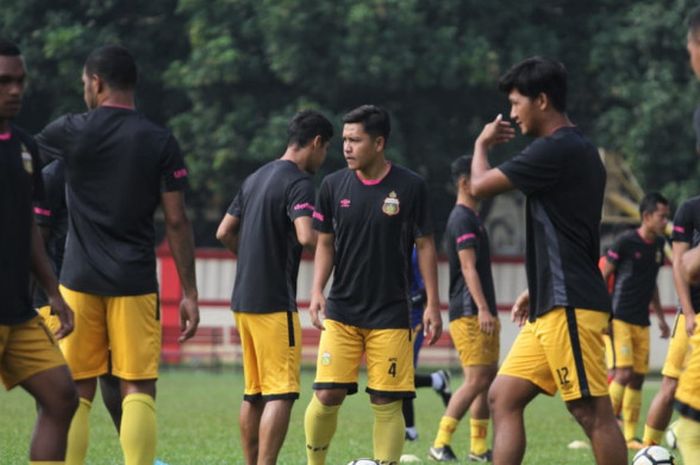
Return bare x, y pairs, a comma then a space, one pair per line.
690, 325
432, 323
317, 309
665, 330
487, 322
520, 310
189, 318
496, 132
60, 308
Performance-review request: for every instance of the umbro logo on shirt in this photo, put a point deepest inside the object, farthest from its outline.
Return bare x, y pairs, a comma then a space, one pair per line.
344, 203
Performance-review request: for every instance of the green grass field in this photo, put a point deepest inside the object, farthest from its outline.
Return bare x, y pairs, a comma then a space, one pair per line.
198, 424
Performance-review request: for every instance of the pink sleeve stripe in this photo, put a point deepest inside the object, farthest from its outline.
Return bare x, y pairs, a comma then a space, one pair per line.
303, 206
42, 211
319, 216
613, 255
181, 173
465, 237
679, 229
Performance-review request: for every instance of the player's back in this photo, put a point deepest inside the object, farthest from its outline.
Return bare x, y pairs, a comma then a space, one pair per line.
268, 250
117, 163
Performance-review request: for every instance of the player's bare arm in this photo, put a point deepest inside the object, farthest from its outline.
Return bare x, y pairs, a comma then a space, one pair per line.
521, 307
682, 286
41, 268
227, 232
656, 305
323, 265
467, 261
608, 269
178, 230
487, 181
690, 266
306, 235
427, 263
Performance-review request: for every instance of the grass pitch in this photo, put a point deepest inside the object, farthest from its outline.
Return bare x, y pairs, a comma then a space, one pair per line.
198, 424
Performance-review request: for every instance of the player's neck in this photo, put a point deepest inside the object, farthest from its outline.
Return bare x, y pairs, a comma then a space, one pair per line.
375, 170
555, 122
4, 126
646, 234
293, 154
118, 100
464, 198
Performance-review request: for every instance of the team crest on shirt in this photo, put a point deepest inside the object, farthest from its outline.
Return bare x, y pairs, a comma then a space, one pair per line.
27, 160
391, 204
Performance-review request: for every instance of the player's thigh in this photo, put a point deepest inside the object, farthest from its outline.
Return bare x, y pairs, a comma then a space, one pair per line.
389, 355
133, 324
572, 340
276, 339
27, 349
609, 352
474, 346
526, 360
339, 355
623, 344
86, 348
251, 377
640, 351
678, 349
688, 391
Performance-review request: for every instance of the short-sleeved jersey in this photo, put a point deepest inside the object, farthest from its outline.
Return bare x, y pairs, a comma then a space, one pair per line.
269, 201
20, 183
51, 213
563, 179
686, 228
375, 225
637, 264
466, 231
117, 164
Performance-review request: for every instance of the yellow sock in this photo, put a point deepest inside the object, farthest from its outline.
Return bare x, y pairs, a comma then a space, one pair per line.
320, 422
137, 432
631, 404
388, 432
617, 391
447, 427
478, 430
652, 436
78, 434
688, 434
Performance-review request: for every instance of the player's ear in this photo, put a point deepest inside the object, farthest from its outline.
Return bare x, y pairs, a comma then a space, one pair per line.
379, 143
542, 101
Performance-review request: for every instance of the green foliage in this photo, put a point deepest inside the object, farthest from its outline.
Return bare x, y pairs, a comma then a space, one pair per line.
226, 75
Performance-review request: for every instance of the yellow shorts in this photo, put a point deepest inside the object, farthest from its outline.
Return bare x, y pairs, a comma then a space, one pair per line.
389, 355
271, 344
25, 350
629, 347
128, 326
474, 346
678, 349
52, 321
562, 350
688, 391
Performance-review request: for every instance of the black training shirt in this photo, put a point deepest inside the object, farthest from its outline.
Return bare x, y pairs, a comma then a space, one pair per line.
51, 214
465, 231
269, 201
563, 179
117, 164
686, 228
20, 183
375, 224
637, 264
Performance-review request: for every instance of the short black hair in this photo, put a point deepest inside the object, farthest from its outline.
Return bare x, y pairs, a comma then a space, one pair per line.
375, 120
649, 203
462, 166
306, 125
9, 49
536, 75
115, 65
694, 20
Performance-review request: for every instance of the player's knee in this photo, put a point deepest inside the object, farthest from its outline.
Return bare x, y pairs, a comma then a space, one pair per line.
330, 397
63, 402
584, 412
623, 375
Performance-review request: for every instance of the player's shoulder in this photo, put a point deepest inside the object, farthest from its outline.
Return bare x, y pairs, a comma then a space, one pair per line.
407, 174
21, 134
337, 177
692, 203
